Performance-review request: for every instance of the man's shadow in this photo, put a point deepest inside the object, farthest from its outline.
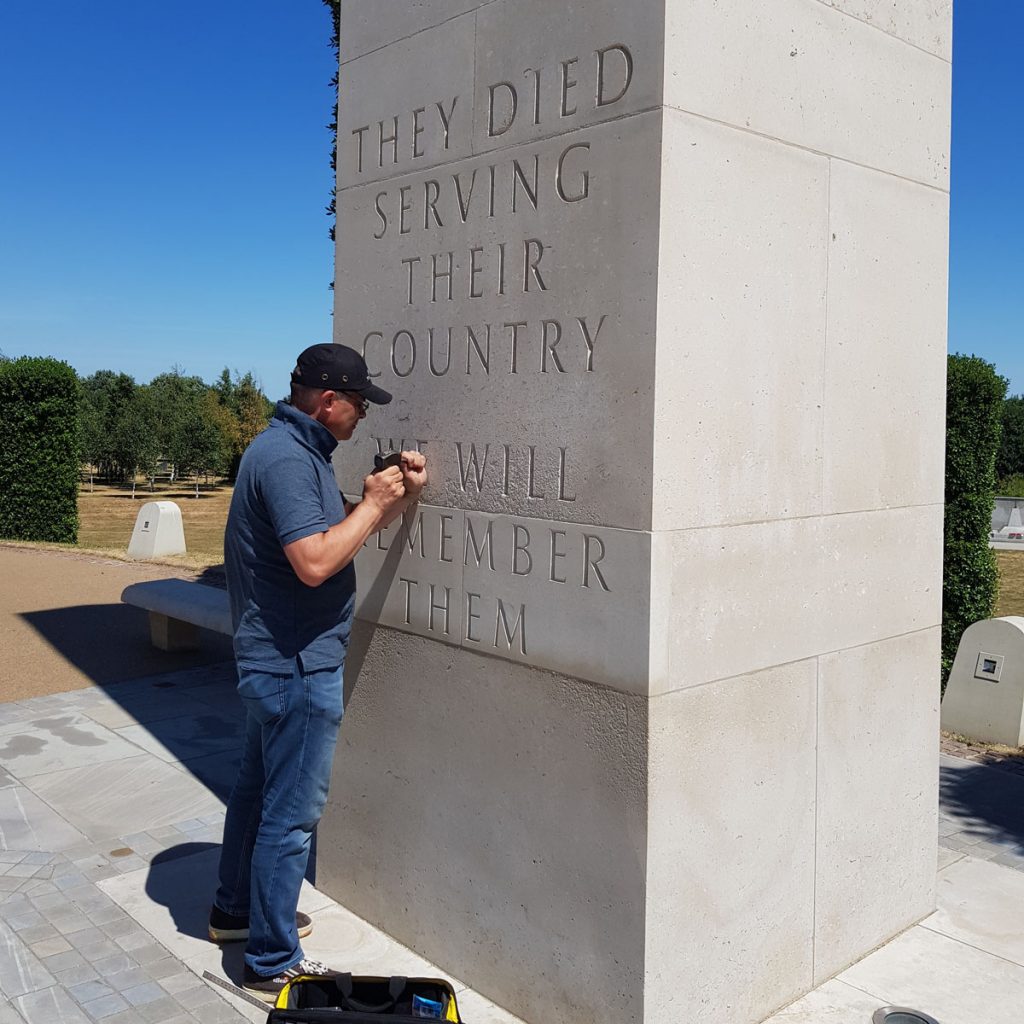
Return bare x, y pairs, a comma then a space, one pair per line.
183, 879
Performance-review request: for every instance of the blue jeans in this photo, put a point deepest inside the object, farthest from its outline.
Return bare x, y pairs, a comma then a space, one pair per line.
290, 734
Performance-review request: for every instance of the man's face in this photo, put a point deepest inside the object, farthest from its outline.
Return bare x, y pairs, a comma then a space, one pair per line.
340, 412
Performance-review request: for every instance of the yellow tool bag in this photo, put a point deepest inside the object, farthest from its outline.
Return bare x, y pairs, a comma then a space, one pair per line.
345, 999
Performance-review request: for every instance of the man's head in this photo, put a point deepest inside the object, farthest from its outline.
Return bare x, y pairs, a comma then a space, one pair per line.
332, 384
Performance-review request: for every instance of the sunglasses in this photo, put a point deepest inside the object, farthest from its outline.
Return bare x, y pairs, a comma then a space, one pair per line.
358, 401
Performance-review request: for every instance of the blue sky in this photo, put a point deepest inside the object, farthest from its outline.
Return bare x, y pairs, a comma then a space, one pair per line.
986, 266
164, 171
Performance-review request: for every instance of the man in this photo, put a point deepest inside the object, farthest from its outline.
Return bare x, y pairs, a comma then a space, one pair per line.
288, 551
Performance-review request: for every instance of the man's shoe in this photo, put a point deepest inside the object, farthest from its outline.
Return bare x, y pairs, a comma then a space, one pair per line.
228, 928
268, 989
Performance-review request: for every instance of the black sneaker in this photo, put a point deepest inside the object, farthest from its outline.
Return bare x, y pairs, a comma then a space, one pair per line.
268, 989
228, 928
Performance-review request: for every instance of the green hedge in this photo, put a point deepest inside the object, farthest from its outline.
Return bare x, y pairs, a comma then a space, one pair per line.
974, 401
38, 450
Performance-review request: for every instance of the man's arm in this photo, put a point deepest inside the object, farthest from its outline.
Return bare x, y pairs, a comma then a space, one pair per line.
318, 557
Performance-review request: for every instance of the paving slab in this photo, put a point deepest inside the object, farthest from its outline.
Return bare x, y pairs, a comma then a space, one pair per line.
55, 741
832, 1003
982, 904
121, 797
954, 982
170, 901
27, 823
203, 731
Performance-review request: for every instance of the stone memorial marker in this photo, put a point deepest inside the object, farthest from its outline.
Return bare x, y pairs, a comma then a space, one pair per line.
984, 697
158, 531
645, 724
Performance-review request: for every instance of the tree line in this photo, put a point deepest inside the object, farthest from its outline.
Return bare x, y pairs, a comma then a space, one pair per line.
1010, 455
175, 425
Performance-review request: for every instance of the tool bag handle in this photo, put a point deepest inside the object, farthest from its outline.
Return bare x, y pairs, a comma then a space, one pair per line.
396, 986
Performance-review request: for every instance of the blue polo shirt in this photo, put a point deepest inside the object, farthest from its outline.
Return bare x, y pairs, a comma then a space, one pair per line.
285, 491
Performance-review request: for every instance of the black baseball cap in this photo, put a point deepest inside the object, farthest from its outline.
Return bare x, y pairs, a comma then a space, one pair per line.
337, 368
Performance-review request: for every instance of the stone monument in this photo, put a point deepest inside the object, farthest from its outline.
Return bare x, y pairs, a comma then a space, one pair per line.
645, 726
158, 531
984, 697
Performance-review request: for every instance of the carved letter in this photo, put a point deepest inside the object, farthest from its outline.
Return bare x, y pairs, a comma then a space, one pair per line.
394, 354
530, 475
602, 101
533, 265
446, 536
434, 371
492, 129
474, 464
403, 227
470, 616
518, 176
556, 554
380, 213
474, 272
358, 133
549, 346
444, 274
434, 607
385, 140
464, 202
417, 131
413, 527
580, 195
501, 622
472, 343
567, 84
372, 334
478, 552
562, 496
411, 261
536, 92
446, 119
409, 584
592, 563
588, 340
430, 203
521, 549
514, 328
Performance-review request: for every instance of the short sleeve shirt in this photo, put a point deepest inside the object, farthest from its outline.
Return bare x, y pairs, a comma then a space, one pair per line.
286, 490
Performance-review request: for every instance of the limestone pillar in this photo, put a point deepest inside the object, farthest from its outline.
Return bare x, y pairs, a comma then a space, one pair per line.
645, 722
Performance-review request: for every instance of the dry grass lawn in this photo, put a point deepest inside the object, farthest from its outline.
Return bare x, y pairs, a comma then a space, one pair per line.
107, 517
1011, 583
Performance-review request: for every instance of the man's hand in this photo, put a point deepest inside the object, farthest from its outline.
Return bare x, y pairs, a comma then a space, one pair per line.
414, 473
384, 490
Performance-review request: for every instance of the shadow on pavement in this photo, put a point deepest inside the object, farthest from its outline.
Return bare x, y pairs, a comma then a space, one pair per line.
989, 802
183, 879
110, 642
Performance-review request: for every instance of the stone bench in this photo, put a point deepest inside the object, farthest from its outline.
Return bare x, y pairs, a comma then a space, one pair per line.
178, 609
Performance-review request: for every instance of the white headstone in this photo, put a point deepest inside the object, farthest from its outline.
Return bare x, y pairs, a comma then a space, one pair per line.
985, 694
158, 531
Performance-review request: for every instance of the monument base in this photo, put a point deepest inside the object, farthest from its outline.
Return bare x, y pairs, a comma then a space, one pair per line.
577, 853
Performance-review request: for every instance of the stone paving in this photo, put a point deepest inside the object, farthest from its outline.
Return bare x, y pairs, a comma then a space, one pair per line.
111, 808
111, 813
68, 951
981, 812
